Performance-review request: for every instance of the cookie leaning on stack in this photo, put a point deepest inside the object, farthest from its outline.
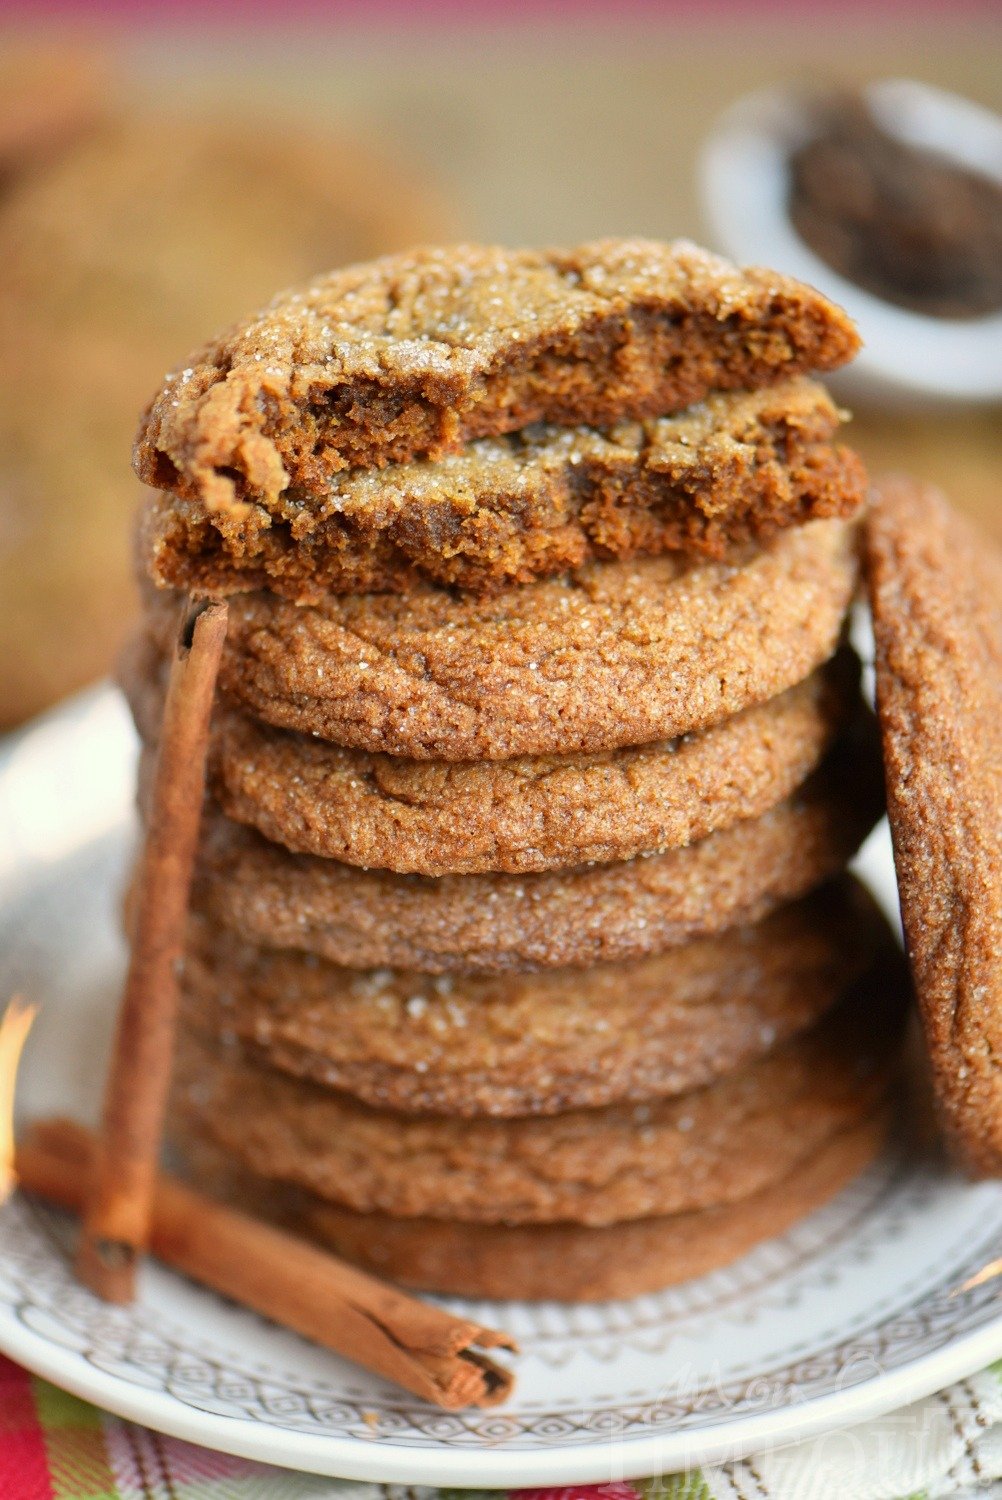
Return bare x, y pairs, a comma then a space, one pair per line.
520, 963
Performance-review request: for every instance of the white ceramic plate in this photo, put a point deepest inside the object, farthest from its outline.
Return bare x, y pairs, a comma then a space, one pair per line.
855, 1311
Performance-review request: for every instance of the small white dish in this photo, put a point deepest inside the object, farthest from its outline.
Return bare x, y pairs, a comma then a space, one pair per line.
744, 179
859, 1309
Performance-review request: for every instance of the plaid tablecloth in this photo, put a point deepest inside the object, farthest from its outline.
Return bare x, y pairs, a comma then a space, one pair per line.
54, 1447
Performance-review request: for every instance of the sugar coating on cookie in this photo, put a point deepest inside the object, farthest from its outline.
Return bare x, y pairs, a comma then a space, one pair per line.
592, 914
612, 654
537, 1042
528, 814
412, 355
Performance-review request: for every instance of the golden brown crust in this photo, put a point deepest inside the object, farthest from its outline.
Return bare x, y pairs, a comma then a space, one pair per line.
494, 923
597, 1166
551, 1262
739, 467
529, 814
615, 654
535, 1043
936, 592
412, 355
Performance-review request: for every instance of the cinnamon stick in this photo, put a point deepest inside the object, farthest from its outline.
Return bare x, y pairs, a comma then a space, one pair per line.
422, 1348
117, 1220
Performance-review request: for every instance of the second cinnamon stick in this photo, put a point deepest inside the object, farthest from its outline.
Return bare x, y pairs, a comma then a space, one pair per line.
413, 1343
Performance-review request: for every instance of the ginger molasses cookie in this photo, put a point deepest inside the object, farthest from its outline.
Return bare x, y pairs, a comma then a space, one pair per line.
531, 813
535, 1043
412, 355
595, 1166
738, 467
614, 654
118, 252
561, 1262
936, 593
491, 923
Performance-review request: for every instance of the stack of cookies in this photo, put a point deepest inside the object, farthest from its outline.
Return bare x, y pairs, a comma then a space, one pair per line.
522, 960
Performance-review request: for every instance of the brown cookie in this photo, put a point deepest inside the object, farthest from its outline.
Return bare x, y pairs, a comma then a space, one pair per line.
492, 923
739, 467
596, 1166
936, 593
413, 355
615, 654
118, 251
533, 813
536, 1043
549, 1262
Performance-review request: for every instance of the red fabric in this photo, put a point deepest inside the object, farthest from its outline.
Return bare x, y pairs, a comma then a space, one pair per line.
24, 1467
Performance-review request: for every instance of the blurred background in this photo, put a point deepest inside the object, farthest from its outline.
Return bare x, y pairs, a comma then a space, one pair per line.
164, 170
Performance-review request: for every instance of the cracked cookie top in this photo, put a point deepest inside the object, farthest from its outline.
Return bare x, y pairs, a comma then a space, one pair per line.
412, 355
